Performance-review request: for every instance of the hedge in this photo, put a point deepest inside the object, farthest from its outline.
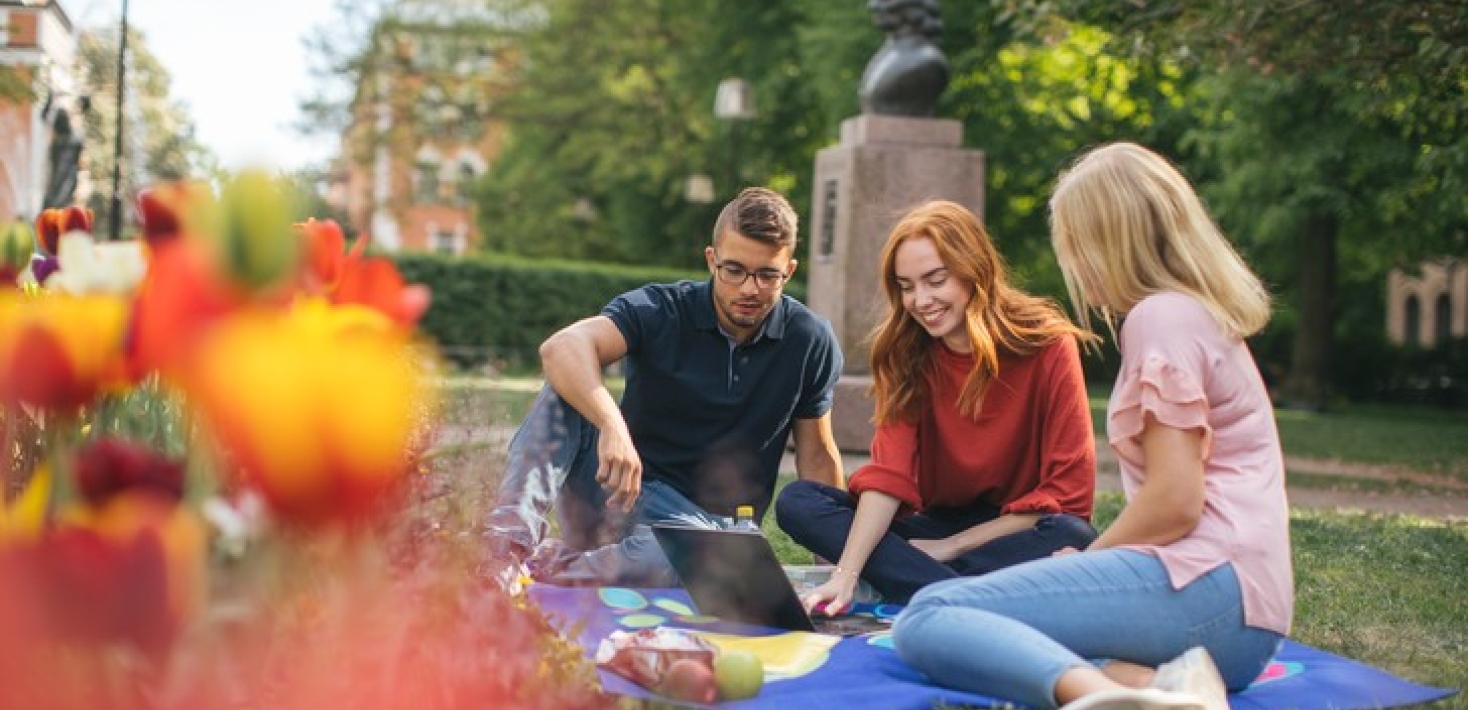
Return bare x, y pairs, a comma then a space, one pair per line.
500, 308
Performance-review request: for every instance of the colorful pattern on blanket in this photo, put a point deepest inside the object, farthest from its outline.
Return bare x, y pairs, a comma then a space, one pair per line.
817, 671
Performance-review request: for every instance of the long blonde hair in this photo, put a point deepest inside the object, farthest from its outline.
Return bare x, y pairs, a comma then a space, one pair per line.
1126, 224
998, 318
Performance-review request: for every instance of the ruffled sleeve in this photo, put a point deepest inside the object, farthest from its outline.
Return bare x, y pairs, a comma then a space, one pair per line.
1172, 394
893, 469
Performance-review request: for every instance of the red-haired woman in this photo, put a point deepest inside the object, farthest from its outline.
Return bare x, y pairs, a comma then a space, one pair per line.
983, 455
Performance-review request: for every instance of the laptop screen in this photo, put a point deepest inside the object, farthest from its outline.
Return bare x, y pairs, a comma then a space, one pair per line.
734, 575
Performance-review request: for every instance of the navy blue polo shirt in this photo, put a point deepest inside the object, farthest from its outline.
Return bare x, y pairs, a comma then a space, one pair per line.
711, 417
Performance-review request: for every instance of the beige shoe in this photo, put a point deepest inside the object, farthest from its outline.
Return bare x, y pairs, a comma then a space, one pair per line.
1195, 673
1136, 699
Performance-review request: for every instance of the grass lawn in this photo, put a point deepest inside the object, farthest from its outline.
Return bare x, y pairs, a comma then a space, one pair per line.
1421, 439
1386, 590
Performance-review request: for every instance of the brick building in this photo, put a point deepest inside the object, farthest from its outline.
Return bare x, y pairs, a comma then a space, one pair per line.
1430, 306
420, 133
38, 73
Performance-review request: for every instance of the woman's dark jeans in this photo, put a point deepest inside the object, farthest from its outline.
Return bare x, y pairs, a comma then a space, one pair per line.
819, 517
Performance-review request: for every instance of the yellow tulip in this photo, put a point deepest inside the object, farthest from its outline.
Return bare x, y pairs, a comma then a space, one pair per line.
58, 351
317, 406
23, 519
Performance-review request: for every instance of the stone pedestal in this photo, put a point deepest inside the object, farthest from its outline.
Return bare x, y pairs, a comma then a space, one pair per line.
883, 166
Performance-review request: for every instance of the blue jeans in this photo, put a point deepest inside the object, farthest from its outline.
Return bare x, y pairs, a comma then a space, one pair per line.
552, 464
819, 517
1013, 633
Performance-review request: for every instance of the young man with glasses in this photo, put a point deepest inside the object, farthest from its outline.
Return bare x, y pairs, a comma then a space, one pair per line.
719, 375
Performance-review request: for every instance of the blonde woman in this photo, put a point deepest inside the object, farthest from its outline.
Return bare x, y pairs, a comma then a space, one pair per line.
1196, 567
983, 456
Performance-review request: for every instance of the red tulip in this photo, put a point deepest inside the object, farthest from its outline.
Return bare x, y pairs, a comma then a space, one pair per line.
109, 466
58, 352
53, 223
182, 295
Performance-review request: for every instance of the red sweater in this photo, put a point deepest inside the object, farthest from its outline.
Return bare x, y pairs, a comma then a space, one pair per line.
1031, 449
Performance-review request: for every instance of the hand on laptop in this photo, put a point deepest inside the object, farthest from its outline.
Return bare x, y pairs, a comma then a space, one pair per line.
834, 597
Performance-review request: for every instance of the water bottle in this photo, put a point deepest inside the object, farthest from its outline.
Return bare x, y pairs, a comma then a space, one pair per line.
744, 519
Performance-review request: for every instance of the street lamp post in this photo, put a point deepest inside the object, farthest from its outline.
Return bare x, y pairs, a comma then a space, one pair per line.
115, 220
734, 102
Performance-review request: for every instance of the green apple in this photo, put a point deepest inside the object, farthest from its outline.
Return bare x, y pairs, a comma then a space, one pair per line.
739, 675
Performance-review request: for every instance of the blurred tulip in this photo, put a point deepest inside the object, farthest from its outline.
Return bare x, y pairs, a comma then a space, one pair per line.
87, 266
130, 570
16, 245
182, 294
375, 283
23, 518
57, 352
109, 466
252, 229
165, 208
325, 249
350, 278
317, 406
42, 266
53, 223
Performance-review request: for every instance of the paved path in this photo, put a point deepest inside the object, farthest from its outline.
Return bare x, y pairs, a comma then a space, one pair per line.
1425, 495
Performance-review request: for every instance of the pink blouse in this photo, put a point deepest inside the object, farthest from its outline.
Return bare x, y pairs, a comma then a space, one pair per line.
1178, 364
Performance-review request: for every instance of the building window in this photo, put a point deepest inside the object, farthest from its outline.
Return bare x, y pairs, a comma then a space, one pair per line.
444, 242
425, 182
1414, 321
464, 189
1443, 319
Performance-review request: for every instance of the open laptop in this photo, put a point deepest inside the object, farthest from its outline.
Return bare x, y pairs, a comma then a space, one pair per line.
734, 575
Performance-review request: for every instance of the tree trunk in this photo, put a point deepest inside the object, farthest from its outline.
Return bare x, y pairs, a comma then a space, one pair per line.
1308, 383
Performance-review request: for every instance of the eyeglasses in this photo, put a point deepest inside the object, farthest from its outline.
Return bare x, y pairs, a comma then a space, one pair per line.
736, 275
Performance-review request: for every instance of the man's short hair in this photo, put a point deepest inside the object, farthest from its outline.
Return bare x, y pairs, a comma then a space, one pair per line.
760, 214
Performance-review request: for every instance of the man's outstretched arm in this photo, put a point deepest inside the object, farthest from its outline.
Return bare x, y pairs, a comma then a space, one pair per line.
572, 360
816, 456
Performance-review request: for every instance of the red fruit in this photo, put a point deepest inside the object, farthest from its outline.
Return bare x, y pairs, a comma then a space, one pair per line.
690, 680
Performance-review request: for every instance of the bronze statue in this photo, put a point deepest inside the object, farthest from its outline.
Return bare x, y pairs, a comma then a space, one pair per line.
66, 150
908, 73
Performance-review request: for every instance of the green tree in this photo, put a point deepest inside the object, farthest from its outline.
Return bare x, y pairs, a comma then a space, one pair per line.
1333, 124
612, 111
1032, 90
158, 133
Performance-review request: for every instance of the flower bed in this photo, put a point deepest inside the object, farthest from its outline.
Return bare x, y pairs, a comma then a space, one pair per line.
218, 491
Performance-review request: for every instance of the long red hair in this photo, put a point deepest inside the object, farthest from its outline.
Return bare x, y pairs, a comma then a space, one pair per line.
999, 318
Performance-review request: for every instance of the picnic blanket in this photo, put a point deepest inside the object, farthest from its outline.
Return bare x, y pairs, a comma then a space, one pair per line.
815, 671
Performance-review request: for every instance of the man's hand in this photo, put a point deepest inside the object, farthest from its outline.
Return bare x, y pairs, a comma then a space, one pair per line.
619, 468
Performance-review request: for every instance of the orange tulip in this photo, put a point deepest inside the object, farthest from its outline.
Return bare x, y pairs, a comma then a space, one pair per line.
53, 223
350, 278
57, 352
181, 296
375, 283
317, 406
326, 256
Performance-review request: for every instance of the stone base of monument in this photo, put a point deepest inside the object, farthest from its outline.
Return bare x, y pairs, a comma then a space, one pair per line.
851, 414
883, 166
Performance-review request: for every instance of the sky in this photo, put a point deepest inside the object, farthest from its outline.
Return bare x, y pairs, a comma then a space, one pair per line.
239, 65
